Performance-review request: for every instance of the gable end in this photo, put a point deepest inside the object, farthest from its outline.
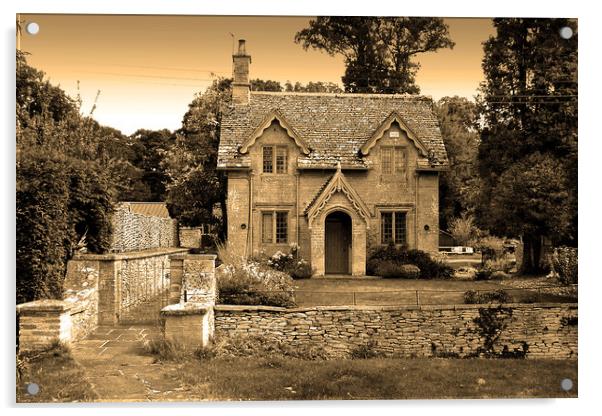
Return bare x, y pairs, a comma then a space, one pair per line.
265, 123
385, 125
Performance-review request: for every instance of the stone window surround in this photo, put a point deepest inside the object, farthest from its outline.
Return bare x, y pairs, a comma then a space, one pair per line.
275, 153
404, 209
273, 211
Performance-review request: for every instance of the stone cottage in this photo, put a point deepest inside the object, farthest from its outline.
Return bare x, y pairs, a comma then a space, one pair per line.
336, 174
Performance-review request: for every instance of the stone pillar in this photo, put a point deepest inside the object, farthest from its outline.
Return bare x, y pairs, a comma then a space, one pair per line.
189, 325
43, 323
176, 274
109, 291
190, 237
195, 276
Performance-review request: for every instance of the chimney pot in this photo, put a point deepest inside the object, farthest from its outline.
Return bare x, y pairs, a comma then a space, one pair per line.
241, 47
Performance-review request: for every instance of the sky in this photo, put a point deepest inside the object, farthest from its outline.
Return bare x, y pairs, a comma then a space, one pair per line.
148, 68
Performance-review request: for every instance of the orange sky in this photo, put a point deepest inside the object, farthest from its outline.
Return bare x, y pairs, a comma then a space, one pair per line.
149, 67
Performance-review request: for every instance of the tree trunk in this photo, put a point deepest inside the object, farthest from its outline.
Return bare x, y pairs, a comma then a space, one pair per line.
531, 255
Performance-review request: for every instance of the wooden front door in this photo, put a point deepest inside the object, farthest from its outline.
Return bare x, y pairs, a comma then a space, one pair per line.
337, 243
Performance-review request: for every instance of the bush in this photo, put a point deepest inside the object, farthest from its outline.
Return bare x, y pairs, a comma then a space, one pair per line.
483, 274
302, 270
499, 275
252, 283
565, 263
490, 246
388, 269
429, 268
474, 297
62, 205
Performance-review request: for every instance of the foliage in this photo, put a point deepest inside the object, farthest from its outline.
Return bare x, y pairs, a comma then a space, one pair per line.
378, 51
311, 86
251, 283
490, 323
291, 263
429, 268
195, 186
464, 230
483, 274
528, 152
459, 186
67, 183
479, 297
390, 269
146, 154
565, 263
265, 85
499, 275
490, 246
365, 351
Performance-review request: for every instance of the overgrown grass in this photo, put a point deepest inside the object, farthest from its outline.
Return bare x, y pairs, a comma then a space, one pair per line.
59, 377
285, 378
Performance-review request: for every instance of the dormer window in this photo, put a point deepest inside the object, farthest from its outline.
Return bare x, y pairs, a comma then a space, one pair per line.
275, 159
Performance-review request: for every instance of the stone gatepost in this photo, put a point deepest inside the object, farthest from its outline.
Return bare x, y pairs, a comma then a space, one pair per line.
192, 279
189, 325
188, 321
43, 323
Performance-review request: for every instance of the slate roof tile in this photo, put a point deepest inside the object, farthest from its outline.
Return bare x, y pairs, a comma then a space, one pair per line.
334, 125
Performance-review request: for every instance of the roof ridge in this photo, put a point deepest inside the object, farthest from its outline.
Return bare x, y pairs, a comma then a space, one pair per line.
416, 97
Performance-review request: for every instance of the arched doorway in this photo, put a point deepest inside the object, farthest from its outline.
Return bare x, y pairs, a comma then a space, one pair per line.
337, 242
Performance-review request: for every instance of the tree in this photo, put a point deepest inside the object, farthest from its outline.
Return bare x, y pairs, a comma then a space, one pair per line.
66, 184
531, 198
378, 51
459, 187
265, 85
148, 148
319, 86
195, 186
529, 107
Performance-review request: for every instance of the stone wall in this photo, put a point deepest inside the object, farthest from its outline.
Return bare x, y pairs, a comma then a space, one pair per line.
81, 293
550, 330
193, 278
43, 323
112, 288
133, 231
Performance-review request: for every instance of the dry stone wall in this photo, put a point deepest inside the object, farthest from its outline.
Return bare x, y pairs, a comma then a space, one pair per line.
133, 232
549, 330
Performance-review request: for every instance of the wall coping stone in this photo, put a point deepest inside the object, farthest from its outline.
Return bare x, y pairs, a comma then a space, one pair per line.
261, 308
179, 309
140, 254
43, 305
193, 256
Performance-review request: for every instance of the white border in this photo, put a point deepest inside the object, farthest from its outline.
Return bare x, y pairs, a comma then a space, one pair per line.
590, 347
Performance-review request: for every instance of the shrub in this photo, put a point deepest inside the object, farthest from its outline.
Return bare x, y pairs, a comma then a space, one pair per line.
501, 263
252, 283
62, 205
483, 274
499, 275
389, 269
464, 230
364, 351
565, 263
475, 297
490, 246
302, 270
429, 268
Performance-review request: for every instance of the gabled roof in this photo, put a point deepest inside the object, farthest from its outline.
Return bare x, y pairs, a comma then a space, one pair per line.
393, 117
150, 209
337, 183
267, 121
334, 127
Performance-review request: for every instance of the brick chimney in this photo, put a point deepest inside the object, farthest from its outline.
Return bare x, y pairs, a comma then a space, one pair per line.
241, 88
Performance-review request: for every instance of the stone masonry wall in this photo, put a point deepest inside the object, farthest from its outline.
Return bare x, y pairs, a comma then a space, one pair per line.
133, 232
550, 330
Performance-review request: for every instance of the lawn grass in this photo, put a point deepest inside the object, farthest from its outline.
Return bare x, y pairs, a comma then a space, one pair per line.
380, 292
285, 378
59, 377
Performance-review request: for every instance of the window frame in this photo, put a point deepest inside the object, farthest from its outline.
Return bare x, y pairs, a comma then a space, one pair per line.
274, 226
276, 152
394, 213
394, 153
